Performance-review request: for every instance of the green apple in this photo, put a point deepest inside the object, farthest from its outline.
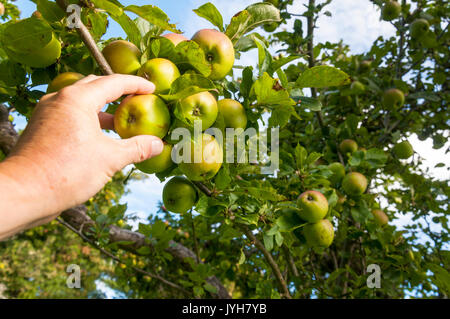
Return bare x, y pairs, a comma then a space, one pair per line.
319, 234
179, 195
142, 115
348, 146
233, 113
429, 40
313, 206
270, 27
205, 160
158, 163
357, 88
219, 51
62, 80
419, 28
354, 184
380, 217
391, 10
338, 172
403, 150
123, 56
393, 98
175, 38
161, 72
199, 107
37, 58
365, 66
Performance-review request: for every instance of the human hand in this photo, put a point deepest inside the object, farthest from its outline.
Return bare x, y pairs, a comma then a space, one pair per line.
63, 158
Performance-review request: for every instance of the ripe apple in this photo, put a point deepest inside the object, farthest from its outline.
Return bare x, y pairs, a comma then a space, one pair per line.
209, 155
313, 206
175, 38
338, 172
122, 56
37, 58
142, 114
365, 66
219, 51
391, 10
161, 72
419, 28
233, 113
201, 106
62, 80
179, 195
319, 234
403, 150
354, 183
380, 217
393, 98
158, 163
348, 146
2, 9
357, 88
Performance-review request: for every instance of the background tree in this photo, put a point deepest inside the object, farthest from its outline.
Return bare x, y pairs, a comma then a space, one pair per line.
245, 231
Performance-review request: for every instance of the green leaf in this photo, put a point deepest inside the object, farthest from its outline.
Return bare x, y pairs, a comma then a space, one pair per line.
210, 288
264, 56
130, 28
309, 103
268, 242
276, 64
441, 277
247, 81
187, 85
50, 10
252, 17
12, 74
289, 220
241, 258
223, 179
280, 115
26, 36
210, 13
108, 6
153, 15
322, 76
267, 93
188, 55
300, 156
279, 239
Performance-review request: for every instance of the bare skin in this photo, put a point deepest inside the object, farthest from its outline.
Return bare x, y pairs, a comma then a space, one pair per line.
63, 158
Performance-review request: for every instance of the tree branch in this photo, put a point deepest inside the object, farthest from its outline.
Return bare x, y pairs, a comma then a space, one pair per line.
89, 41
270, 260
114, 257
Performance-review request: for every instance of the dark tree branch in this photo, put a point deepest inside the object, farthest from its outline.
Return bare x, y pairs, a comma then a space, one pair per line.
114, 257
271, 261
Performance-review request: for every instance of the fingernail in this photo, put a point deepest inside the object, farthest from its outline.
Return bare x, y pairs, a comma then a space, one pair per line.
157, 147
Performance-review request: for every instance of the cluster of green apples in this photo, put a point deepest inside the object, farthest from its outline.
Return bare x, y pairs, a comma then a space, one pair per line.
419, 29
150, 114
313, 207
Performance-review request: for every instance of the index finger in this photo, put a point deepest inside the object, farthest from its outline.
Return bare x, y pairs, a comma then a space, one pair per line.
107, 89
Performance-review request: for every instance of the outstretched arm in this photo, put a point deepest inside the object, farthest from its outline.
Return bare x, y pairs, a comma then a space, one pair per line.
63, 158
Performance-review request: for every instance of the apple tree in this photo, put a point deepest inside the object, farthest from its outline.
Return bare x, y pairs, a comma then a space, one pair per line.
324, 223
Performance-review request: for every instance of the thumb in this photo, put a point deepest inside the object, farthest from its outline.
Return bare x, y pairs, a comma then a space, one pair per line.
140, 148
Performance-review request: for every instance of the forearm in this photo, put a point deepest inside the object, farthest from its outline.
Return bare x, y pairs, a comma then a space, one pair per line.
26, 198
